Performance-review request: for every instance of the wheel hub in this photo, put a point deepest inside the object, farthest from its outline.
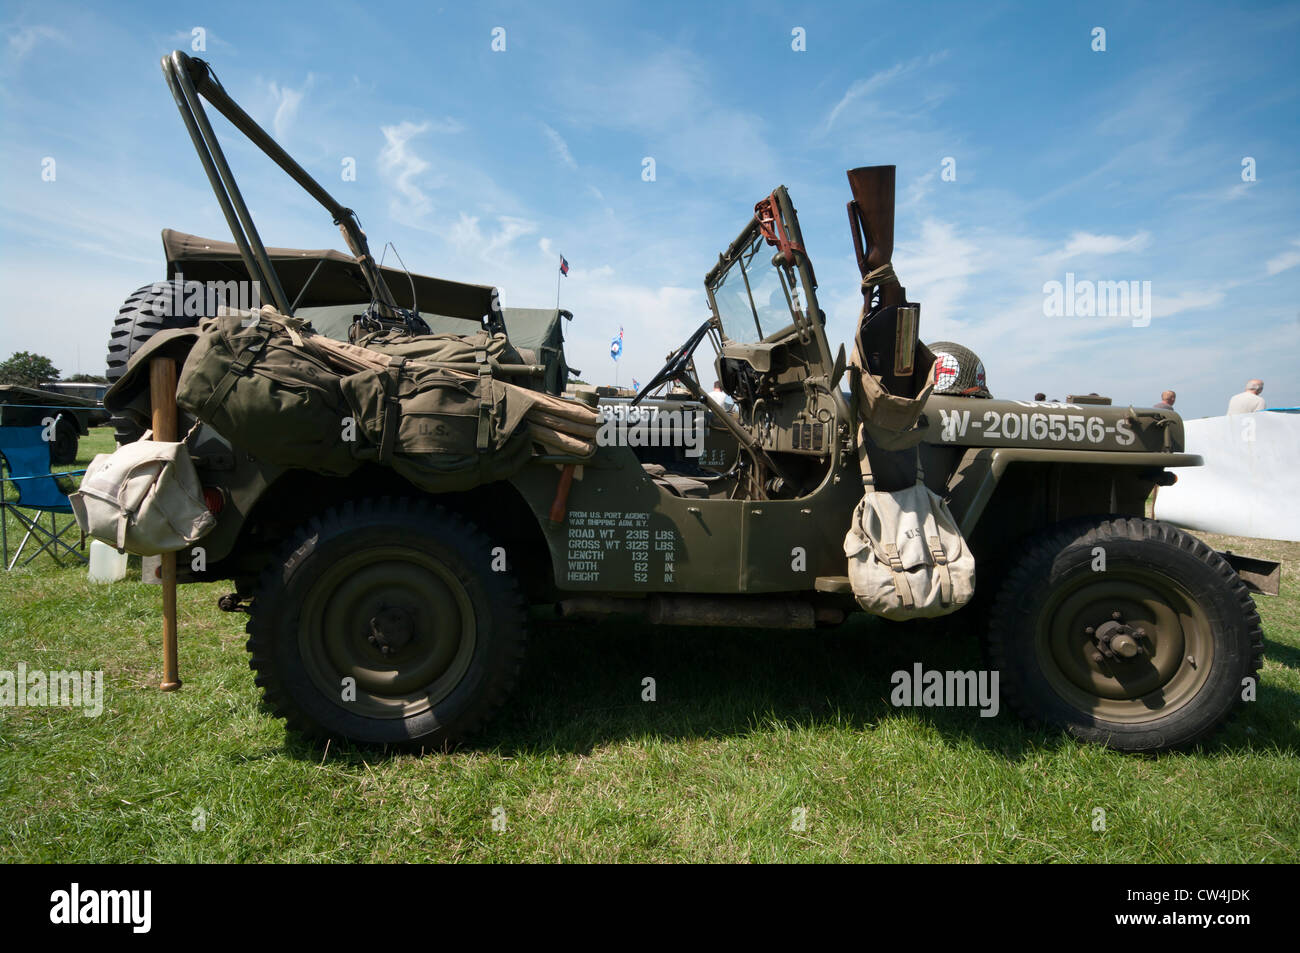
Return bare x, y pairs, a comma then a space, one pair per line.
391, 629
397, 621
1117, 641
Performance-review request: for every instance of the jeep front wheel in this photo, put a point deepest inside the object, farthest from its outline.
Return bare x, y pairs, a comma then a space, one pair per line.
1127, 632
385, 623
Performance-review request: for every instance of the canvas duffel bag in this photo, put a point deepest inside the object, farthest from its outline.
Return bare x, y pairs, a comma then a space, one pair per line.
478, 347
143, 498
271, 386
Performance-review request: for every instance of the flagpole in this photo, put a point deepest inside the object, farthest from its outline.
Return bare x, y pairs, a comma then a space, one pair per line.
559, 273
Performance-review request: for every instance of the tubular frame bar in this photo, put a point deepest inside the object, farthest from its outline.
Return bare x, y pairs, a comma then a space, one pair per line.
188, 79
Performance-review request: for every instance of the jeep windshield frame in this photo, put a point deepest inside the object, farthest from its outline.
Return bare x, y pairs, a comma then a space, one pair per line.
744, 294
744, 267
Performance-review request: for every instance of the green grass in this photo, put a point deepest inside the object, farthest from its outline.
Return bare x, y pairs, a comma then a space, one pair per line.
748, 727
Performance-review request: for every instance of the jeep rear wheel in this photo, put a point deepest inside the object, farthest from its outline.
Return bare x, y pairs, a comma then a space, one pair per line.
1126, 632
386, 624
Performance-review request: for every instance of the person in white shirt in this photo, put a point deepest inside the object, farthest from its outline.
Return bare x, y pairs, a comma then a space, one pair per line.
721, 396
1248, 401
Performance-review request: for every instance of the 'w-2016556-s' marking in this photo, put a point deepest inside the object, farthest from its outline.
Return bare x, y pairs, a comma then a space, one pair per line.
1033, 425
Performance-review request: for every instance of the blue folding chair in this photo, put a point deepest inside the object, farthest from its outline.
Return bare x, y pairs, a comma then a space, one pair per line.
27, 457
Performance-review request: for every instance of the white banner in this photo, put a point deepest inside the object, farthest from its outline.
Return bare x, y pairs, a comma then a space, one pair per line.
1250, 484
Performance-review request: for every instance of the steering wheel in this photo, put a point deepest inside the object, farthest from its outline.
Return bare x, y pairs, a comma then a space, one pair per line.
677, 364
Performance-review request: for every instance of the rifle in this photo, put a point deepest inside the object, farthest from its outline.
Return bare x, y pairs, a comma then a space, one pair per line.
886, 346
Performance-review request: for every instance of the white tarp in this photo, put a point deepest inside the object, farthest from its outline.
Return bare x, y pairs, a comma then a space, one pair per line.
1250, 484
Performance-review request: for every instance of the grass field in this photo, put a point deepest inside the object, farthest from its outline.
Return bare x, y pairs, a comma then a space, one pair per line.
751, 732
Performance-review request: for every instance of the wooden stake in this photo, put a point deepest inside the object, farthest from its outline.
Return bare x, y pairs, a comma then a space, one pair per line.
162, 398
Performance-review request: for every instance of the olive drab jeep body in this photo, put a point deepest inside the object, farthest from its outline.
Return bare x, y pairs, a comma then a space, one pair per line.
420, 601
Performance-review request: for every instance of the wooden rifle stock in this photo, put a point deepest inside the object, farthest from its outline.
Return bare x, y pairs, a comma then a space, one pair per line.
872, 215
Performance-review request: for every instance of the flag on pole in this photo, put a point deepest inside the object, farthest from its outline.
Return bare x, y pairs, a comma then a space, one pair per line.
564, 267
636, 385
616, 347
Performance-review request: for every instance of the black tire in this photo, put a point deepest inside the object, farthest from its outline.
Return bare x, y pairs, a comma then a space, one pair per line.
67, 437
1200, 636
424, 576
146, 312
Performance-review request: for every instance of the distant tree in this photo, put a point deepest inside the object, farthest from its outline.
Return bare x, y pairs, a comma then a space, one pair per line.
86, 379
29, 370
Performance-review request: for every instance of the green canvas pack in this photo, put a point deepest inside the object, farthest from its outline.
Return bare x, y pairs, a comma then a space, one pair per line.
441, 430
247, 380
251, 378
444, 347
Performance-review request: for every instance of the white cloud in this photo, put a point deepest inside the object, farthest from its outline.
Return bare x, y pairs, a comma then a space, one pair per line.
1286, 260
23, 40
669, 108
400, 164
937, 271
1083, 244
862, 88
469, 238
287, 101
559, 146
1187, 299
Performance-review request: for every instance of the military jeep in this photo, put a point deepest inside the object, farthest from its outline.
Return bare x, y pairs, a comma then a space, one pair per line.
380, 614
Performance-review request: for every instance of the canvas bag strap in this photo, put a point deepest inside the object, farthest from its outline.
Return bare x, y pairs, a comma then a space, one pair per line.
868, 478
855, 407
484, 406
945, 575
901, 584
237, 369
392, 408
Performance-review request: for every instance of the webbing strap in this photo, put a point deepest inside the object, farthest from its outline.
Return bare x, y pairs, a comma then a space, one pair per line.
945, 575
238, 368
291, 323
392, 408
901, 584
868, 479
484, 406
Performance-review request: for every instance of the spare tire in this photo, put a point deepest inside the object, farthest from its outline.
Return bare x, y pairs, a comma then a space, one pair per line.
146, 312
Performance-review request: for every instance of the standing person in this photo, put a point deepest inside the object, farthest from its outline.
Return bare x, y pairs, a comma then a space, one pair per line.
721, 396
1167, 399
1248, 401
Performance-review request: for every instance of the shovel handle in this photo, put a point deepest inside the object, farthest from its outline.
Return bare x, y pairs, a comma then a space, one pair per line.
162, 399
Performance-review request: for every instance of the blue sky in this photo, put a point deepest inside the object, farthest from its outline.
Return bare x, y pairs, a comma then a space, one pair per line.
1122, 165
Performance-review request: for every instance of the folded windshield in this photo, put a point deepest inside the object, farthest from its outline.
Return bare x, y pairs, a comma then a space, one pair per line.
751, 295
